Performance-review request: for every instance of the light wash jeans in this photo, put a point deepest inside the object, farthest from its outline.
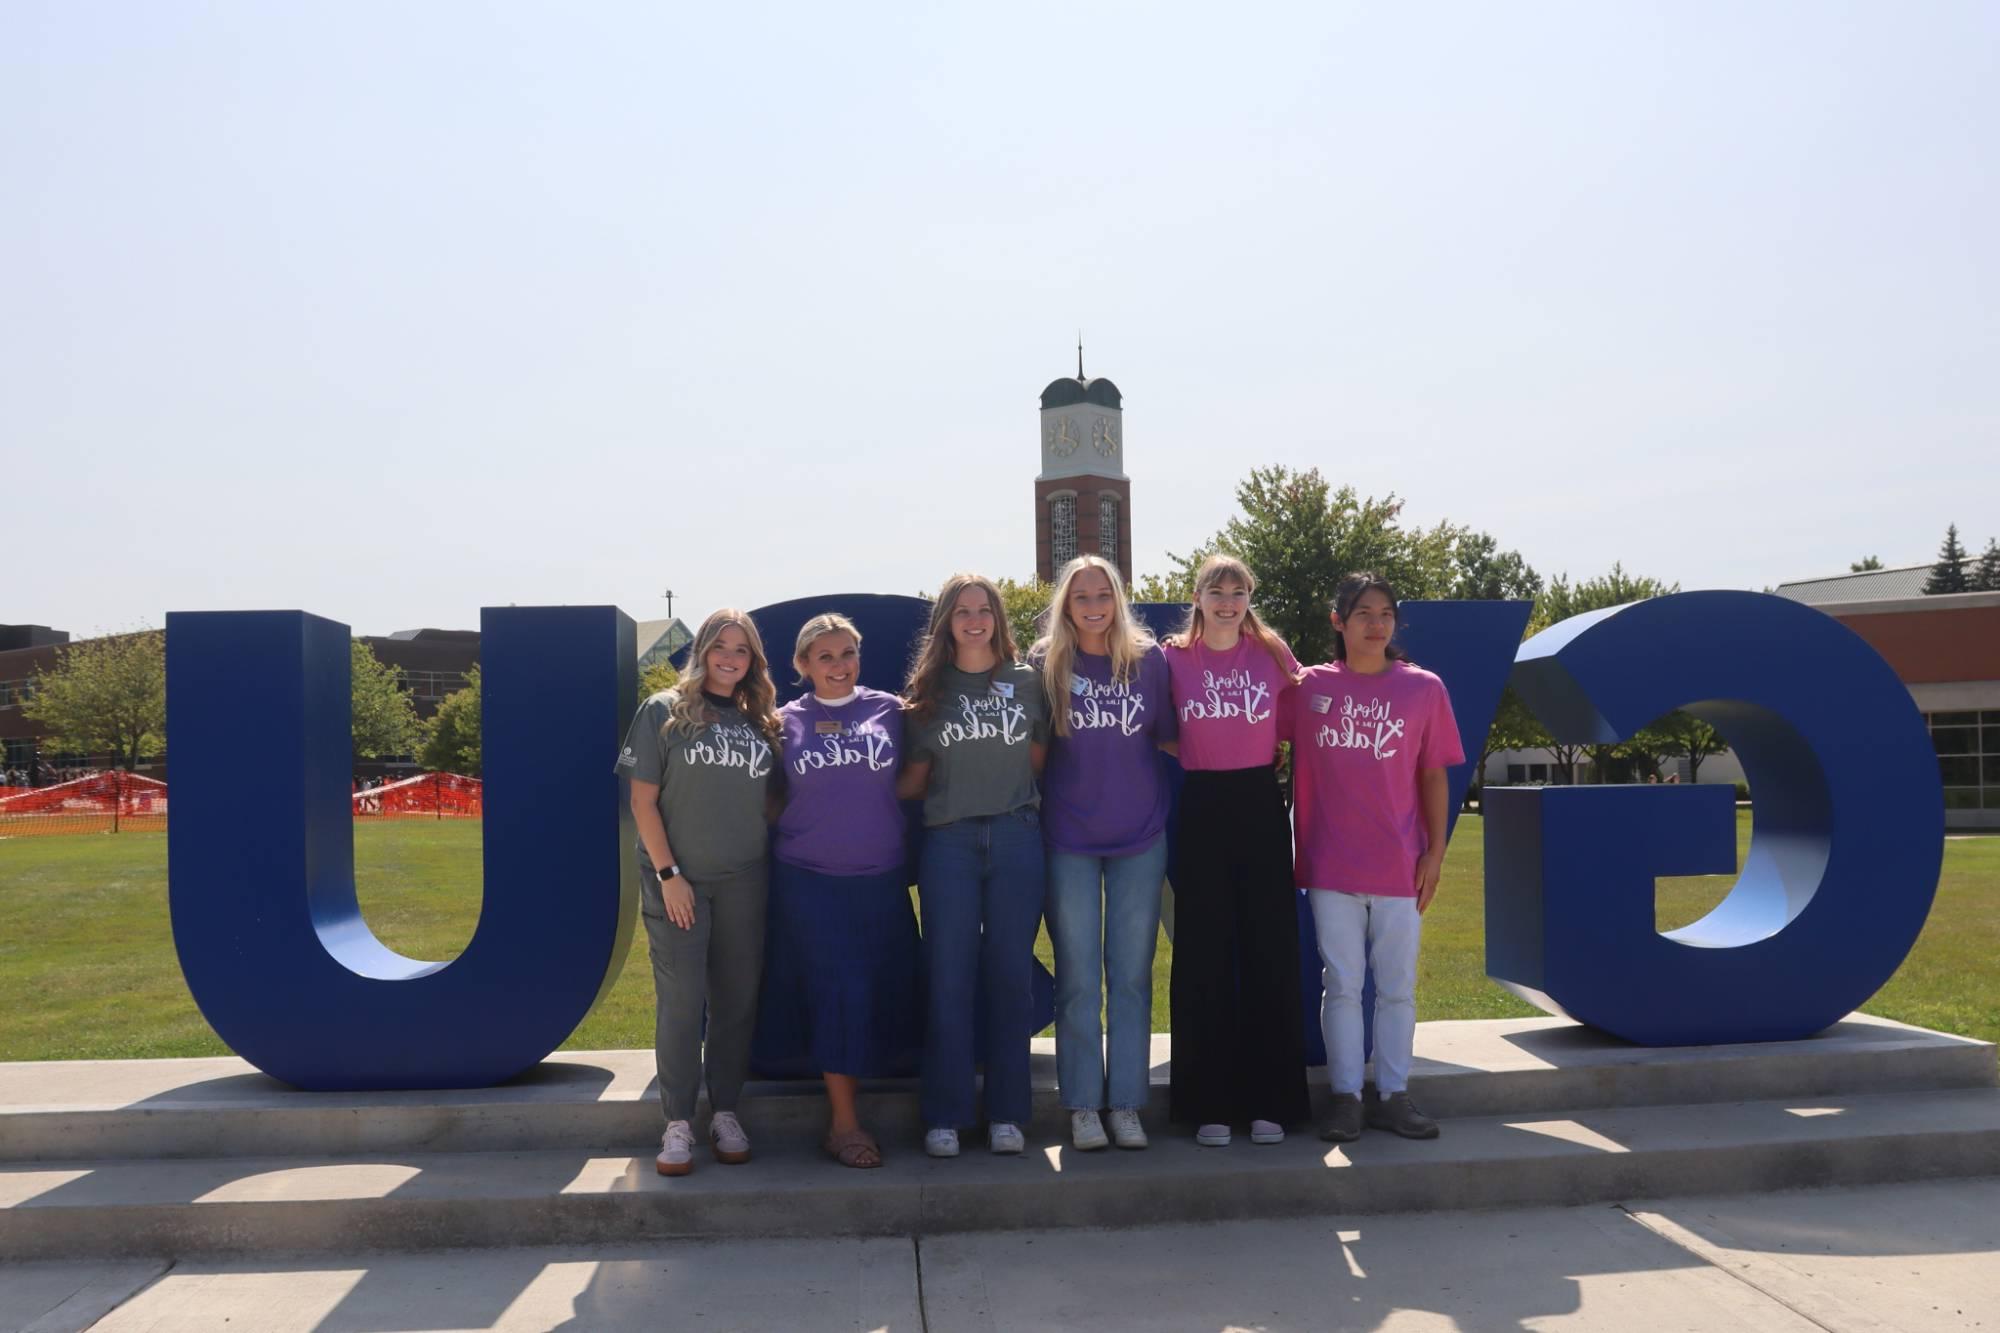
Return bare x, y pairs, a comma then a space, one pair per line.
1110, 934
1357, 931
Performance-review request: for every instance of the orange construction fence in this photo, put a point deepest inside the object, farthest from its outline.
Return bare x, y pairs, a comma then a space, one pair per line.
120, 802
426, 796
109, 802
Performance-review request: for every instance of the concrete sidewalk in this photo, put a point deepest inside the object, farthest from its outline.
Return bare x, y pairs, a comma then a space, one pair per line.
1902, 1257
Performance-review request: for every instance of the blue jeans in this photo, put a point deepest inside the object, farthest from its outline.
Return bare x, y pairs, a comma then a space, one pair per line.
1112, 934
981, 884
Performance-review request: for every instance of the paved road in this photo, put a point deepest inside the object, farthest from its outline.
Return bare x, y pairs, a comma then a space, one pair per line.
1911, 1258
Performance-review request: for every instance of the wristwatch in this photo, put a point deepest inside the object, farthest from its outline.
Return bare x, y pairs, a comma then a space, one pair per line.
671, 872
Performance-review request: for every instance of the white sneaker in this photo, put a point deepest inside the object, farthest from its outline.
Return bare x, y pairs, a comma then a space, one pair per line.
1212, 1136
676, 1149
1126, 1131
1086, 1131
1266, 1131
726, 1136
1006, 1139
941, 1142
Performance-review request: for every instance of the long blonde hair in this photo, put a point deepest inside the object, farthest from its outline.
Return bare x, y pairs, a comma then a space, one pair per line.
934, 650
1220, 568
821, 625
1126, 641
755, 695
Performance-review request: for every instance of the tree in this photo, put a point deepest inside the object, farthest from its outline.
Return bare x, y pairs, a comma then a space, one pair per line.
1865, 564
106, 696
1948, 574
1651, 746
1175, 587
1024, 602
453, 743
1986, 575
385, 718
1563, 599
1514, 728
1485, 573
1695, 738
656, 678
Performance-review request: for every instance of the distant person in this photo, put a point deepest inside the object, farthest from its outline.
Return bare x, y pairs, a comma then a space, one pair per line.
1239, 1035
1372, 735
977, 721
840, 892
700, 758
1104, 819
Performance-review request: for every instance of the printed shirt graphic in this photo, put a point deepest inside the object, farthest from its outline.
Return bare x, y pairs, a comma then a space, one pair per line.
977, 742
1104, 792
841, 816
1358, 744
1227, 703
712, 786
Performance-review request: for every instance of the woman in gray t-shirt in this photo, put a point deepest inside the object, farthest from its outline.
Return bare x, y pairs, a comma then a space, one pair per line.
976, 728
700, 758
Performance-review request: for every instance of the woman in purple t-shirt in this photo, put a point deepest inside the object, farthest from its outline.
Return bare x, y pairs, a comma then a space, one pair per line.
1239, 1035
840, 898
1104, 819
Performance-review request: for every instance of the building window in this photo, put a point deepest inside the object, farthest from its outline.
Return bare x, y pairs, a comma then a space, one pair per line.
1062, 529
1107, 526
1968, 751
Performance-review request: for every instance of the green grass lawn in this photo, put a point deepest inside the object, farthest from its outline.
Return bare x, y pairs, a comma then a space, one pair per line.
87, 968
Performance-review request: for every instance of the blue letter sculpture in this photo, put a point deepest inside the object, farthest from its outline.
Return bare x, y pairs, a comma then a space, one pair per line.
1847, 831
260, 852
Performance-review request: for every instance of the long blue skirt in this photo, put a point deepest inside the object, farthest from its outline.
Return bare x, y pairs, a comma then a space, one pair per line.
842, 990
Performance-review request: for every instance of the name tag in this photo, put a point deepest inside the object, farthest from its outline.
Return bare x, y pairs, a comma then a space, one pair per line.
1321, 702
1078, 685
1003, 689
826, 728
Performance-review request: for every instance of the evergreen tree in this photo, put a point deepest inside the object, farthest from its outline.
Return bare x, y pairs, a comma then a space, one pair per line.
1986, 575
1948, 574
1862, 566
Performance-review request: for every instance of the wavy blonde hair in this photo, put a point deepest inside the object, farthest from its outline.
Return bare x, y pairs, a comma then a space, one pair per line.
688, 712
821, 625
934, 650
1220, 568
1126, 640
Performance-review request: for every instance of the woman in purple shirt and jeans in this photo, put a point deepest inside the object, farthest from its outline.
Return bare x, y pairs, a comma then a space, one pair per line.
1104, 819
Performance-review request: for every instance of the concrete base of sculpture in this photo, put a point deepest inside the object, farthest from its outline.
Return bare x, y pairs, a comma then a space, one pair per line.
179, 1157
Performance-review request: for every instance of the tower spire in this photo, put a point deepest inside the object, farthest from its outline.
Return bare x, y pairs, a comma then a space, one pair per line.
1079, 353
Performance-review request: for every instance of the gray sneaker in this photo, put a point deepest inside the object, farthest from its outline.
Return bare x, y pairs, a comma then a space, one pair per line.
1399, 1115
1343, 1120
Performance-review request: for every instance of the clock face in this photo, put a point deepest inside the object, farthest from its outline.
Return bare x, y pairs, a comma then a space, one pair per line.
1104, 435
1060, 437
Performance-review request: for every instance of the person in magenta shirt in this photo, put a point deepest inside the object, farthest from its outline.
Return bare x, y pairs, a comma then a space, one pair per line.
1239, 1038
1372, 735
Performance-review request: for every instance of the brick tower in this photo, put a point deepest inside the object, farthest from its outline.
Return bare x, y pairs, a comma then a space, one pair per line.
1083, 500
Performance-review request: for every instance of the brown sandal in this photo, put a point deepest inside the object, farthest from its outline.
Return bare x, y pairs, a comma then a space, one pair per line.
856, 1148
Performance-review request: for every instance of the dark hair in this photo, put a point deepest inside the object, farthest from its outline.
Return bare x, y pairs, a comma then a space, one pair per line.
1347, 594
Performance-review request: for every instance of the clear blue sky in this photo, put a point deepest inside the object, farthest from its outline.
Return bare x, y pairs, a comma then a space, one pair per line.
390, 311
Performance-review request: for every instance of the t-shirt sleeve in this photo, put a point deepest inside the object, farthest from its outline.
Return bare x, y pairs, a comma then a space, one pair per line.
1288, 707
644, 757
1038, 712
1441, 748
917, 737
1292, 667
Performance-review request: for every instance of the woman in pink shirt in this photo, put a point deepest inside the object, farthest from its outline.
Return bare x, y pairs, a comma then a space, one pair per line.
1372, 735
1239, 1039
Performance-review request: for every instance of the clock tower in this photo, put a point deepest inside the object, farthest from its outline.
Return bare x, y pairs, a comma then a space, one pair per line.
1083, 499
